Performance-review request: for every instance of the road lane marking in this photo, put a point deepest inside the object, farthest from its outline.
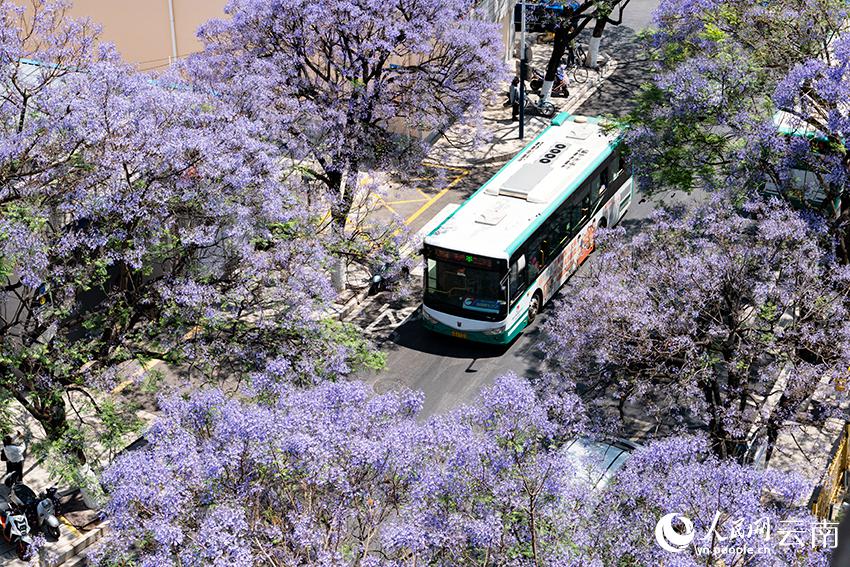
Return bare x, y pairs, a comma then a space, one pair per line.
437, 197
394, 318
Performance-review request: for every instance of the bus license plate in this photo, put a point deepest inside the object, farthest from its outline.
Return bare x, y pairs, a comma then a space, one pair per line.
459, 334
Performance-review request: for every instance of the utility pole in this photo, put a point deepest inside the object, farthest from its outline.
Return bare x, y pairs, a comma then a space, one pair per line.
523, 66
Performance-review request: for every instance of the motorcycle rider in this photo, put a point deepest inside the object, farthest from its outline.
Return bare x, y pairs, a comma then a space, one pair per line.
14, 452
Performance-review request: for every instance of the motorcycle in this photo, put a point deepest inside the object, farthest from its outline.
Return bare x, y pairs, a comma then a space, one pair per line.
40, 510
382, 281
15, 529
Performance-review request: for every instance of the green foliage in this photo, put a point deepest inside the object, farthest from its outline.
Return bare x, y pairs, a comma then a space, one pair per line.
152, 382
713, 33
349, 336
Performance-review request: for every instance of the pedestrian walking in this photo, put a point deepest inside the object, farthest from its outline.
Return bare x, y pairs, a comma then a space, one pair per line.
513, 98
14, 451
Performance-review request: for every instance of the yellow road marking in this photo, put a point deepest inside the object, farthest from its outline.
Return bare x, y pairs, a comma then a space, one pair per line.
437, 197
386, 205
145, 364
70, 526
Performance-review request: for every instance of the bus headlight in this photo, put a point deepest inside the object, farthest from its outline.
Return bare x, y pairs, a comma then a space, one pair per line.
427, 318
495, 331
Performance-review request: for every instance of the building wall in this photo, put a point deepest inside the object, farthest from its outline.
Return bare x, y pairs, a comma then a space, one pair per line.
141, 29
501, 12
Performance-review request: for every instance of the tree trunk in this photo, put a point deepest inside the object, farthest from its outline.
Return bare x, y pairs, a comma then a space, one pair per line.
559, 48
343, 184
717, 431
788, 405
46, 407
595, 41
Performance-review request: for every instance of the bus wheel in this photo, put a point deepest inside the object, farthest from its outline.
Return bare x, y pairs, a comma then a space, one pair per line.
534, 306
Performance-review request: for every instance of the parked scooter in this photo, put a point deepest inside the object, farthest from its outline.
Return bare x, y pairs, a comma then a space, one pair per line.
15, 529
381, 280
40, 510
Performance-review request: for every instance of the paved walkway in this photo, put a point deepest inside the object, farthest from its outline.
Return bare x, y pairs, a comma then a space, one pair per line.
79, 524
496, 137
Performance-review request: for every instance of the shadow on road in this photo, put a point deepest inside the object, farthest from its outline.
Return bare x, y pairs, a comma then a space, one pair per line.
615, 96
411, 335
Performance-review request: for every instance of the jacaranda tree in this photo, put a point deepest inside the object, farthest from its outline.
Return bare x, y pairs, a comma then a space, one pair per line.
337, 476
138, 220
349, 86
738, 515
724, 70
717, 63
815, 93
709, 318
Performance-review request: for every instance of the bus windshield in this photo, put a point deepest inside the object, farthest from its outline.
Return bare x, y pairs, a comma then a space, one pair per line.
466, 286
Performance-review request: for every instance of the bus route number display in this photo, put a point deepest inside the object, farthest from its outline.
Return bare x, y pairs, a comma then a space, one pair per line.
463, 258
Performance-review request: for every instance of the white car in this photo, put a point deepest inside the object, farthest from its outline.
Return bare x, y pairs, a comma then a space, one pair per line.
599, 461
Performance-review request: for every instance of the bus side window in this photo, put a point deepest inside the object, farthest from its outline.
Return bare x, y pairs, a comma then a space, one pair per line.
536, 258
617, 165
517, 283
432, 274
603, 180
585, 209
594, 187
575, 216
566, 224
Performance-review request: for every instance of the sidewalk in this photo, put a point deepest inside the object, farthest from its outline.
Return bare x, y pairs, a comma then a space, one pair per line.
80, 526
496, 137
814, 446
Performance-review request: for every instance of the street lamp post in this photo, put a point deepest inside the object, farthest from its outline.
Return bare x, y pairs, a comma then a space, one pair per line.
523, 65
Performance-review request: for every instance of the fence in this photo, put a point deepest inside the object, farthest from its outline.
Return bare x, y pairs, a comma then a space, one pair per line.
827, 493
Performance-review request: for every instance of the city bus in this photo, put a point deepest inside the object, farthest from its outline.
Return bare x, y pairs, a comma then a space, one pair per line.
494, 262
803, 188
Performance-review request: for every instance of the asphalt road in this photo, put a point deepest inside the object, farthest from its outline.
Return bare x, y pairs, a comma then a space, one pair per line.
452, 372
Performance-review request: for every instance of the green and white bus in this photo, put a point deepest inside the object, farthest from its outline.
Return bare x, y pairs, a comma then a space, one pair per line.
499, 257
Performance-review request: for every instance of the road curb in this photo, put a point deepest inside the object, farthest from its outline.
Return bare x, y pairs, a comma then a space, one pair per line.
352, 304
69, 554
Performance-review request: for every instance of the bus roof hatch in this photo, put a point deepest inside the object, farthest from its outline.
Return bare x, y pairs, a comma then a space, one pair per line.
521, 183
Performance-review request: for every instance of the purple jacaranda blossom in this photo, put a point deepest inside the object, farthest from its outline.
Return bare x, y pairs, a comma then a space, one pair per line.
347, 88
140, 217
731, 507
749, 95
336, 475
695, 319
